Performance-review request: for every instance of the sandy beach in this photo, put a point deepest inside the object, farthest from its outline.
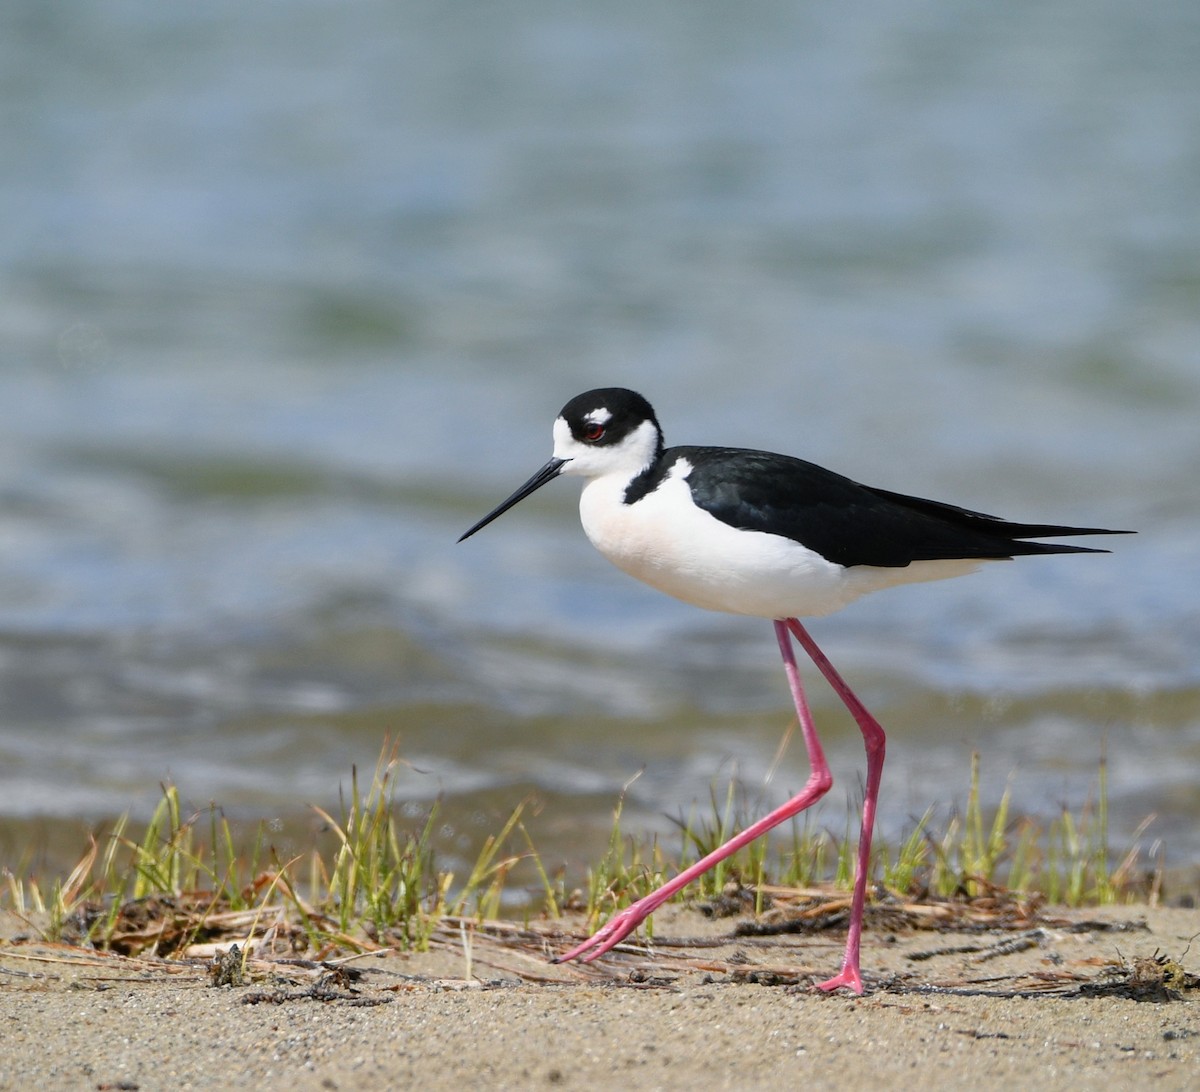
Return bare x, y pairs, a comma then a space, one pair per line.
1071, 999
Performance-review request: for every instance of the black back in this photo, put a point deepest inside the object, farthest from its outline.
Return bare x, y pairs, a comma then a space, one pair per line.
843, 521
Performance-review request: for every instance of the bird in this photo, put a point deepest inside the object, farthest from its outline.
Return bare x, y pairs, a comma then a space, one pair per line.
755, 533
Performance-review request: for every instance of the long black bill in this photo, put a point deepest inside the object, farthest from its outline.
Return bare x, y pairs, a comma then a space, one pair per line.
548, 473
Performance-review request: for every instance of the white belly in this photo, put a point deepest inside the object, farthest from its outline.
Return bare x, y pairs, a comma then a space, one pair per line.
674, 546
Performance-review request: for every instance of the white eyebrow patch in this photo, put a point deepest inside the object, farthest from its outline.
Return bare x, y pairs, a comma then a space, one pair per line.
599, 416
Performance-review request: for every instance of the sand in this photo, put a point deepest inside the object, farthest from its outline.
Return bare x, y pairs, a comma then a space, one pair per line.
1043, 1007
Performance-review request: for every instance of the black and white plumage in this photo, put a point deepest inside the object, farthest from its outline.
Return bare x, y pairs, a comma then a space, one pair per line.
752, 532
755, 533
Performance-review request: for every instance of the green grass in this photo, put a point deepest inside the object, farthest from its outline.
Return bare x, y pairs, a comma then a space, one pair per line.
380, 883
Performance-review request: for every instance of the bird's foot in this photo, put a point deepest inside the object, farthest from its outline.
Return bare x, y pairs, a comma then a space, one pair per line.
848, 978
615, 930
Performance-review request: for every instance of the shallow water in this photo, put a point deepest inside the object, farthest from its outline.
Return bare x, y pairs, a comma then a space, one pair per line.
289, 298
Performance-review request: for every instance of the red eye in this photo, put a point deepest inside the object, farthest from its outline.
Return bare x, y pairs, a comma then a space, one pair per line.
593, 432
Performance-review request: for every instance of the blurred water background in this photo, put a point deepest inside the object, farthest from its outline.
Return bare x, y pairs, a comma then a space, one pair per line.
291, 293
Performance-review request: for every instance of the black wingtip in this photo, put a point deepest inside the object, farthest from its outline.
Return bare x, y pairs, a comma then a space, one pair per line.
1070, 532
1026, 547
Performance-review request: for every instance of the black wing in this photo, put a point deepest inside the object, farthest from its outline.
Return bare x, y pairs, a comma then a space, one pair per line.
843, 521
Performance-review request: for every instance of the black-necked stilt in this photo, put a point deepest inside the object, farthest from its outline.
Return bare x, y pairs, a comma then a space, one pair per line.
750, 532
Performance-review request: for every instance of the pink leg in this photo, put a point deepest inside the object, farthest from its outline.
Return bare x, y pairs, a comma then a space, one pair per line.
876, 743
619, 926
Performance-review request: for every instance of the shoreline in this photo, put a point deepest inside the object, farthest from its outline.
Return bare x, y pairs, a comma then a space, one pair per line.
1049, 1003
